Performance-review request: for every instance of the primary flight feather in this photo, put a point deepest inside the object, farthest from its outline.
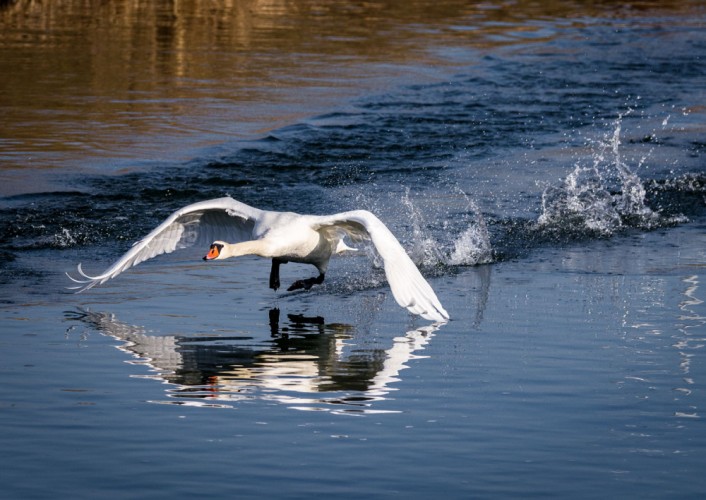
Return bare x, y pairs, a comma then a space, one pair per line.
234, 229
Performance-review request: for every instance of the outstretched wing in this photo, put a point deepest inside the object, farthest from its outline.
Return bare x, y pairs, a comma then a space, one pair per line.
199, 223
408, 286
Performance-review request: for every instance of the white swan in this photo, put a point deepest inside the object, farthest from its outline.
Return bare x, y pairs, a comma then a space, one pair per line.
283, 237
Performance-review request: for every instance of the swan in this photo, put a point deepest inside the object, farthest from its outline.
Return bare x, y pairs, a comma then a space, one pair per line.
234, 229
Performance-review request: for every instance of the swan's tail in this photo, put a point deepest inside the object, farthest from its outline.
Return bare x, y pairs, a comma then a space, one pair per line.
83, 284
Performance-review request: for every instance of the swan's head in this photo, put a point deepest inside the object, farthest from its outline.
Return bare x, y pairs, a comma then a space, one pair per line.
215, 251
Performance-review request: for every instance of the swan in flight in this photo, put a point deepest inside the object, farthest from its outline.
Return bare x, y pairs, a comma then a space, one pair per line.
234, 229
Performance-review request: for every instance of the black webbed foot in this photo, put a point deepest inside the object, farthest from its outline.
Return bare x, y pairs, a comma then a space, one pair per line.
306, 284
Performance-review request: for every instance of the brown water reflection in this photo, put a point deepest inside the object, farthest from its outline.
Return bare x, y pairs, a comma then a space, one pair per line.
108, 86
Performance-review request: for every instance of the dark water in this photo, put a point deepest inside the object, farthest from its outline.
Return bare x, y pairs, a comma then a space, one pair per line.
544, 165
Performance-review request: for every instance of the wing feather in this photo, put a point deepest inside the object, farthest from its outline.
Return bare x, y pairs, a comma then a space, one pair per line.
408, 286
199, 223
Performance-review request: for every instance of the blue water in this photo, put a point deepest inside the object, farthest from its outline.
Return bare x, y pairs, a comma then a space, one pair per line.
553, 192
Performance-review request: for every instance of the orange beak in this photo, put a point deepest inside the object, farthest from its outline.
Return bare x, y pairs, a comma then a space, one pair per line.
213, 252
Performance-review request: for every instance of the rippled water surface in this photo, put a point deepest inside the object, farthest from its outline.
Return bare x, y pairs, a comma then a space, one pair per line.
542, 164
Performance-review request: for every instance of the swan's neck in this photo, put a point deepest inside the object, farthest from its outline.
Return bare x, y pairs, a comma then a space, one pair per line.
255, 247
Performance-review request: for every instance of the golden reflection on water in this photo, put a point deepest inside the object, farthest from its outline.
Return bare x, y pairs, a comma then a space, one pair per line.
100, 86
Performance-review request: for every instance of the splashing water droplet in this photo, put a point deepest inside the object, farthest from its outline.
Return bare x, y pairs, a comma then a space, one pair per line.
584, 198
64, 239
425, 250
471, 246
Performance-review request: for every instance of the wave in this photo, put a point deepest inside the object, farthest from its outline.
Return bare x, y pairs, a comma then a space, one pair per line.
598, 200
440, 224
584, 205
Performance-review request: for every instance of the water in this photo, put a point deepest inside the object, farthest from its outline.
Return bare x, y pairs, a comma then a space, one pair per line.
542, 164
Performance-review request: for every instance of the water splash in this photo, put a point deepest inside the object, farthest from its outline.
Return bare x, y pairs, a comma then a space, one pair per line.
425, 250
581, 201
585, 201
463, 241
472, 246
64, 239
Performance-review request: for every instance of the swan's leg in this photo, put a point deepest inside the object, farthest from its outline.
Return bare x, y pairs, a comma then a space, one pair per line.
307, 283
274, 273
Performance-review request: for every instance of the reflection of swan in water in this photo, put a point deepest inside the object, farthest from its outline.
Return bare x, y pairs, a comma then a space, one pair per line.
306, 362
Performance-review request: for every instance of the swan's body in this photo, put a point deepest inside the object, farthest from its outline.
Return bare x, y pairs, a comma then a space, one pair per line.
283, 237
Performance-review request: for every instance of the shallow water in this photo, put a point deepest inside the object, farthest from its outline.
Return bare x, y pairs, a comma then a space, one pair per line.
542, 164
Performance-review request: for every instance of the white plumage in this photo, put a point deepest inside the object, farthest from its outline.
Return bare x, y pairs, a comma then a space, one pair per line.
234, 229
